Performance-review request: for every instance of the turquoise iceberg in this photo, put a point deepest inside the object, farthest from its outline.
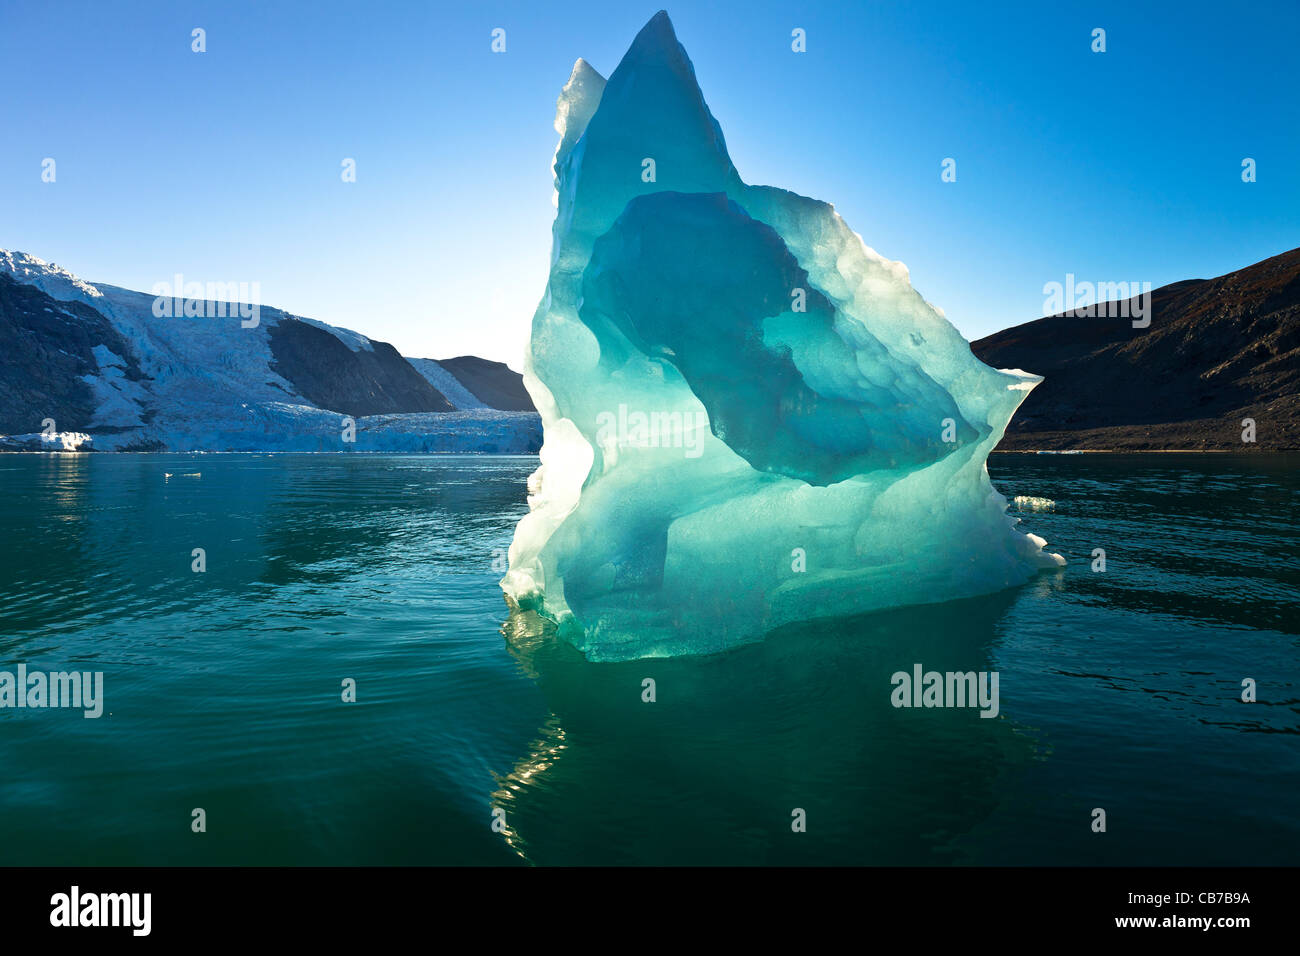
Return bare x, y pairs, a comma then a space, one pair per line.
750, 417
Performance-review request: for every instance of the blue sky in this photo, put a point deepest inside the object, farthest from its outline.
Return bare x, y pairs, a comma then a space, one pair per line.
225, 166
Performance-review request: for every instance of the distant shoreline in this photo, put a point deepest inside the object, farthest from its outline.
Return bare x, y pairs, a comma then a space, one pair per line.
1146, 451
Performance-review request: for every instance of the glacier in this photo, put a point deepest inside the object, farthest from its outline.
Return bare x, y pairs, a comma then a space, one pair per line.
212, 385
750, 417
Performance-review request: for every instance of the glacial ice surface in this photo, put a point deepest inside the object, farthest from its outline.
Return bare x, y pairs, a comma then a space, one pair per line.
750, 418
211, 385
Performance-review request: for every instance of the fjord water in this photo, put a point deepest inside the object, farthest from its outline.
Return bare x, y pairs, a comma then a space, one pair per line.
1118, 690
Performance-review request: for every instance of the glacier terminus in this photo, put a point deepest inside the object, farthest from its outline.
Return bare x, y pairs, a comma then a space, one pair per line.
750, 418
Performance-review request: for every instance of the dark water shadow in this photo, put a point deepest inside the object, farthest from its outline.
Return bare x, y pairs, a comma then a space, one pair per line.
712, 770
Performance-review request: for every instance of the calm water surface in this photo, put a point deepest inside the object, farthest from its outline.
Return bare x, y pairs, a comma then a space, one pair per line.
1119, 690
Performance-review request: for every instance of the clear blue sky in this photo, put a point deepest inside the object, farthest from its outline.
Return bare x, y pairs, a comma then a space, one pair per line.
225, 166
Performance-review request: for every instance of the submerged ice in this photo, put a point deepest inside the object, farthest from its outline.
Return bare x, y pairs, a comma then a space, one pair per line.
750, 417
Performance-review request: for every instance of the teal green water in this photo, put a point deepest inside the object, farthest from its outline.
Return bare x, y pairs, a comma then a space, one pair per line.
1119, 690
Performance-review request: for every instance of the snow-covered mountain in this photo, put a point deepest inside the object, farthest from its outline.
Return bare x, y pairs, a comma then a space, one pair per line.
94, 365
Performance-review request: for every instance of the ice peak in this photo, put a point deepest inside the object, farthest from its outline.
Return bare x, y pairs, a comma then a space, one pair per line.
582, 75
658, 31
650, 129
575, 106
48, 276
657, 43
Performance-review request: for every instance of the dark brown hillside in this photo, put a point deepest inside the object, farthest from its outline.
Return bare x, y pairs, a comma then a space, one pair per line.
1217, 351
493, 383
362, 382
48, 348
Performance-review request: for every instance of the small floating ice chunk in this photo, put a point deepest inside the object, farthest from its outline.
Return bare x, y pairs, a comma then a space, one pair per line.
1030, 503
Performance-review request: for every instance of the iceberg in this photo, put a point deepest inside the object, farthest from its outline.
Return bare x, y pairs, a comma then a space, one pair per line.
750, 418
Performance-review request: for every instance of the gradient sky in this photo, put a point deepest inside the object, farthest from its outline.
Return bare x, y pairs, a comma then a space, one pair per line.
224, 166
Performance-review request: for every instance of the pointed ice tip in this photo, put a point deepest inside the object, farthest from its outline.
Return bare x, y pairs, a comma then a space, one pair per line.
657, 31
582, 70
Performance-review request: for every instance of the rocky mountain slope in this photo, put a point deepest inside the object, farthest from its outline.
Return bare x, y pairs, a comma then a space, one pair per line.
1217, 352
493, 383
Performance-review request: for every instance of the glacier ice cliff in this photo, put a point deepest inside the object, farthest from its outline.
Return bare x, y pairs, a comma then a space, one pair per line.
750, 418
115, 376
